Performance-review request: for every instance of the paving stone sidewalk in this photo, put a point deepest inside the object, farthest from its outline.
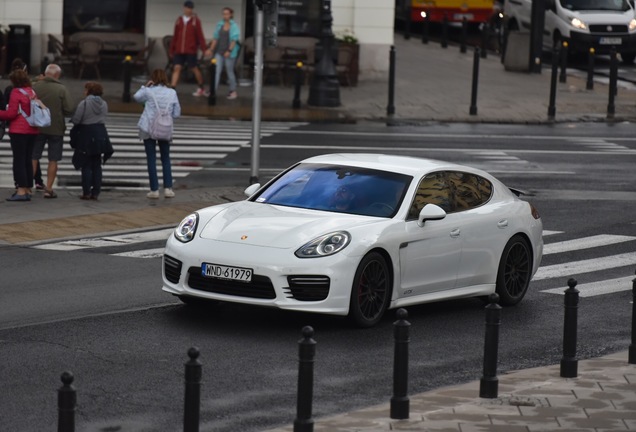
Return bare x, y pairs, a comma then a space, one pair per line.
601, 398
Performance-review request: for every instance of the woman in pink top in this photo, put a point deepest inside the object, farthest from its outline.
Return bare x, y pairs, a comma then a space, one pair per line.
21, 133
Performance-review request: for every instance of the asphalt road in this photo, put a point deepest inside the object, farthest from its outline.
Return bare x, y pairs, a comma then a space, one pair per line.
100, 315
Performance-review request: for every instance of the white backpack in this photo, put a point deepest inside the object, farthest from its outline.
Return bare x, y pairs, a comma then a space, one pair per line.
161, 126
40, 115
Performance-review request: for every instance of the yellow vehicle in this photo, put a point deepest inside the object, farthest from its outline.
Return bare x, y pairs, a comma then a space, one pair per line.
476, 11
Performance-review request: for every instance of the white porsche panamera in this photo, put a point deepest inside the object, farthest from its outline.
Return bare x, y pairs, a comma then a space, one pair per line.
357, 234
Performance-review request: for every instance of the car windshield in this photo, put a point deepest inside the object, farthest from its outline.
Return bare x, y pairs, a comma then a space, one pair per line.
338, 188
611, 5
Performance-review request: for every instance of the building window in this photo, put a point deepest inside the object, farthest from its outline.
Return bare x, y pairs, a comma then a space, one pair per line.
105, 16
295, 18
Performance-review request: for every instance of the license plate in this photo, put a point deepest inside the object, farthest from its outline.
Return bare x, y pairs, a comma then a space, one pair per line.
226, 272
610, 41
460, 16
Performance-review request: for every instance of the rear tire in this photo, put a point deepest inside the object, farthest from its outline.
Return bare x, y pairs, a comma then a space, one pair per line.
371, 291
515, 271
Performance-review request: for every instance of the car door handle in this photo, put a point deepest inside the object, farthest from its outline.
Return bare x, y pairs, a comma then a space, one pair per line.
455, 233
502, 223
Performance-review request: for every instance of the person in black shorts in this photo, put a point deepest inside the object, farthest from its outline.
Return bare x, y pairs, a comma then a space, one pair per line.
187, 39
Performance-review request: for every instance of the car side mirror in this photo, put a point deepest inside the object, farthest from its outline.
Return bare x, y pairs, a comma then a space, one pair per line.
430, 212
251, 189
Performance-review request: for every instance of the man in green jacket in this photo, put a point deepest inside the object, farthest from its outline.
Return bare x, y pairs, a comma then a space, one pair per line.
58, 99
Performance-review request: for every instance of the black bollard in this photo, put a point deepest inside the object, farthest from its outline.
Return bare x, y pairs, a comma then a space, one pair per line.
462, 42
298, 81
425, 26
212, 95
473, 93
400, 399
632, 346
611, 108
445, 32
390, 108
127, 69
192, 404
485, 37
489, 383
407, 22
569, 363
66, 403
589, 85
553, 84
306, 353
564, 62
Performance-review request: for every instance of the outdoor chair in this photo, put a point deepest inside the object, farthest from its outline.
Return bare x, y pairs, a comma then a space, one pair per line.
89, 54
140, 61
62, 56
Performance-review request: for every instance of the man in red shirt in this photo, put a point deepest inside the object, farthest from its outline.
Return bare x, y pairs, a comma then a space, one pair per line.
187, 39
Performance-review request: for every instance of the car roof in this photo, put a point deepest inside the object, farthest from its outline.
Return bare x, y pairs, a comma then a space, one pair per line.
413, 166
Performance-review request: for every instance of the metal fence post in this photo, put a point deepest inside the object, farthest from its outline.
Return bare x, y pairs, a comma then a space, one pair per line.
66, 403
390, 108
589, 85
489, 383
569, 363
445, 32
425, 26
306, 354
127, 69
553, 84
611, 108
473, 93
212, 94
485, 37
400, 399
192, 404
407, 22
298, 81
564, 62
462, 42
632, 346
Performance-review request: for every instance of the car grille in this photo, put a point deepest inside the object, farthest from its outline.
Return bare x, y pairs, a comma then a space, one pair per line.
308, 288
172, 268
606, 28
260, 286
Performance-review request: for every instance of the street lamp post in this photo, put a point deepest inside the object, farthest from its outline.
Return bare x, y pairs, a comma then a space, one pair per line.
325, 88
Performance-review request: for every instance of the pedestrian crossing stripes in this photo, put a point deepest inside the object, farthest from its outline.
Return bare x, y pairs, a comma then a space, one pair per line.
602, 145
135, 242
197, 143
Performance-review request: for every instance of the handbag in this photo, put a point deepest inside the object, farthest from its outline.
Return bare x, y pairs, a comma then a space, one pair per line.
74, 134
3, 125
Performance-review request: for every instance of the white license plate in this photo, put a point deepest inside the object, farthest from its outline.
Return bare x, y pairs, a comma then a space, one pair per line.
460, 16
610, 41
227, 272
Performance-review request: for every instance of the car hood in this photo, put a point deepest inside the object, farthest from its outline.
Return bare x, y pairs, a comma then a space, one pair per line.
260, 224
603, 16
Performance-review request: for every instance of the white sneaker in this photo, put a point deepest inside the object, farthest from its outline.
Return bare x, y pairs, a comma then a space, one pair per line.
153, 194
232, 95
168, 193
200, 92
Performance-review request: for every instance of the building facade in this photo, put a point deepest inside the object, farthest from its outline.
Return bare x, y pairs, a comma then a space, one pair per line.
368, 21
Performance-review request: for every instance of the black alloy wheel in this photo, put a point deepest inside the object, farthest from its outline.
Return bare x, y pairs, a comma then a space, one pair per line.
371, 291
515, 270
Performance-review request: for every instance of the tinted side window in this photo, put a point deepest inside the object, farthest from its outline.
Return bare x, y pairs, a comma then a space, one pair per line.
469, 190
433, 189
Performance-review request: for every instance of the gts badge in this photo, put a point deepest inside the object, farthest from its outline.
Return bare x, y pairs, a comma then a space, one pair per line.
407, 292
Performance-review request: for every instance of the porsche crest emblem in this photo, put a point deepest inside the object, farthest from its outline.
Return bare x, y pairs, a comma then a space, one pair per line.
244, 237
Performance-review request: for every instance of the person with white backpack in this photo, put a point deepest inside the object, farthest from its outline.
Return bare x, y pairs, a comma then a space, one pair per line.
161, 107
22, 135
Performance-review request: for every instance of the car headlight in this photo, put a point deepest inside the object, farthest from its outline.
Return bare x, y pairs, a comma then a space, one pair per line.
632, 25
577, 23
186, 229
325, 245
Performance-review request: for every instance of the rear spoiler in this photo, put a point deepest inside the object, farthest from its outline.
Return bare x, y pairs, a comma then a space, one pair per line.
520, 192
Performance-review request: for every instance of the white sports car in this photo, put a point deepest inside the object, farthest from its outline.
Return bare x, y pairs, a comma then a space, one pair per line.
357, 234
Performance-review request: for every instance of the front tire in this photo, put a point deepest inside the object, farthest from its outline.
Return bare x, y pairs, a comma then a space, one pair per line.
515, 271
371, 291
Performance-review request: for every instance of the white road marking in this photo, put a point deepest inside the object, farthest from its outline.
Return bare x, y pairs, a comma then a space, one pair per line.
584, 243
118, 240
598, 288
549, 233
147, 253
585, 266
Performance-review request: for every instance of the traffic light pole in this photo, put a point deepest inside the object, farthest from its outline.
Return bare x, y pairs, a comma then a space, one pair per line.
258, 87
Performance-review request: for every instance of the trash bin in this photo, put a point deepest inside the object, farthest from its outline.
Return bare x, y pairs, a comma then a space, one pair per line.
19, 43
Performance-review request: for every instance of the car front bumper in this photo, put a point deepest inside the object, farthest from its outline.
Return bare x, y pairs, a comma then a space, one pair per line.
583, 41
280, 279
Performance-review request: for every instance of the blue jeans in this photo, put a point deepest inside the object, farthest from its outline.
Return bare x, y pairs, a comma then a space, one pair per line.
151, 159
228, 63
92, 176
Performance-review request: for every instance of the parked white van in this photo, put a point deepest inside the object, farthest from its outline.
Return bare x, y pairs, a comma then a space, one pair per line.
583, 23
